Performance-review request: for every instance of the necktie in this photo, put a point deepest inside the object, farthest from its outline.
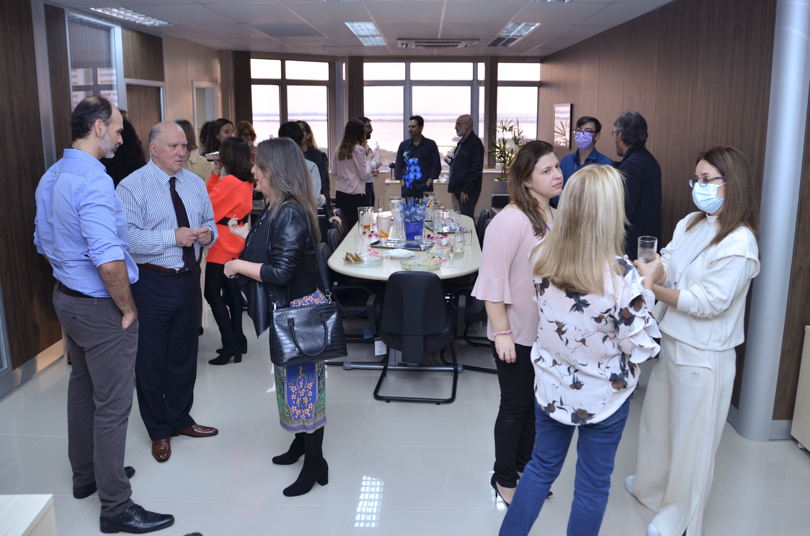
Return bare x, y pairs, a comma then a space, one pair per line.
182, 221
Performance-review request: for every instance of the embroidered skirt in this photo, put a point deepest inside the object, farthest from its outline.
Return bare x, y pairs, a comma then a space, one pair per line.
301, 389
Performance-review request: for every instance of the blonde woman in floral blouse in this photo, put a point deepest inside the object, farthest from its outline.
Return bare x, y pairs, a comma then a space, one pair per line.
595, 328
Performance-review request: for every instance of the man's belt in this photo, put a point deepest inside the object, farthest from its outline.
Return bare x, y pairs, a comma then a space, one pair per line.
64, 289
161, 269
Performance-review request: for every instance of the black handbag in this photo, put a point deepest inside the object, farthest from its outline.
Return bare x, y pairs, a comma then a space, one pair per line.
307, 333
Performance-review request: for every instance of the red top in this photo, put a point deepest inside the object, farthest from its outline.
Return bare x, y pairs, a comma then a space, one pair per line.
229, 196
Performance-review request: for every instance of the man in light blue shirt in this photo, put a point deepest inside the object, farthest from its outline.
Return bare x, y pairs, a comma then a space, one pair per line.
586, 134
81, 229
169, 220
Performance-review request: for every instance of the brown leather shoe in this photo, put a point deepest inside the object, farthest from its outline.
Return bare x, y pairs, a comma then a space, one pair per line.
161, 449
198, 430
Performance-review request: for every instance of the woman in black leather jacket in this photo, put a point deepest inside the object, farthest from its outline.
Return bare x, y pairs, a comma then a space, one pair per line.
278, 268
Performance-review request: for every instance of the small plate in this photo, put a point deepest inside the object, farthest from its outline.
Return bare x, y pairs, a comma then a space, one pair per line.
424, 263
371, 260
399, 254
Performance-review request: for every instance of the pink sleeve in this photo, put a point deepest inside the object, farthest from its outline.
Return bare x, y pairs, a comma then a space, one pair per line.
361, 163
501, 243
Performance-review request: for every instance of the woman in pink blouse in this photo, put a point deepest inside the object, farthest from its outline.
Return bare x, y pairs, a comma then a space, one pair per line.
595, 328
352, 169
505, 284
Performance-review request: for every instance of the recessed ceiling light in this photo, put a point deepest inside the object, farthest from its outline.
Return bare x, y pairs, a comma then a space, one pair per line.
512, 33
367, 32
552, 0
131, 16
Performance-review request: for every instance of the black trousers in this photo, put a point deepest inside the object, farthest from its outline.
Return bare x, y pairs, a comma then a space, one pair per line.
468, 208
225, 300
349, 203
166, 363
514, 426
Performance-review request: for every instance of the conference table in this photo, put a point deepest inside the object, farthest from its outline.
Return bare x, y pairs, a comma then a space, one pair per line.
463, 266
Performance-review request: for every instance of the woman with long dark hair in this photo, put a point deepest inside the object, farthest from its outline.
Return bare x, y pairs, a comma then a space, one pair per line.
701, 283
319, 158
505, 284
128, 157
595, 328
278, 268
213, 133
231, 191
352, 169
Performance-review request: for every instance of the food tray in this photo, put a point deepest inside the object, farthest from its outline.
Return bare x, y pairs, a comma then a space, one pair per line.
424, 263
369, 260
393, 244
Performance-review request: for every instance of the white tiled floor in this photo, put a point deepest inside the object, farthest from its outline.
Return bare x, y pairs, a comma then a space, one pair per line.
431, 463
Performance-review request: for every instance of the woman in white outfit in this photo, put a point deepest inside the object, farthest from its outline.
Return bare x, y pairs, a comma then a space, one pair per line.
701, 282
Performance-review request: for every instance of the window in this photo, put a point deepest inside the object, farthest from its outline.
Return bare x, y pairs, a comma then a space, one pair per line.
438, 91
92, 64
518, 91
304, 86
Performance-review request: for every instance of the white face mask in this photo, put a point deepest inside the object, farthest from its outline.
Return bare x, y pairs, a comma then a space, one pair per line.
705, 197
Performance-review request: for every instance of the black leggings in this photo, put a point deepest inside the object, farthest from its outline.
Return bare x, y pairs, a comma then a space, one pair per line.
514, 426
349, 203
222, 294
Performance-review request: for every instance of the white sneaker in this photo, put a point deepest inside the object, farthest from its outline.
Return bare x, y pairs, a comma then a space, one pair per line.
628, 484
651, 530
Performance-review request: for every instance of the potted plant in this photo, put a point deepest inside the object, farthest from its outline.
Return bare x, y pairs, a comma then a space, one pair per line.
507, 138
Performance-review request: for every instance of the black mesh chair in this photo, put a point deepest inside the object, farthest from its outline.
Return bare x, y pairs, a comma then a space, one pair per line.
333, 239
323, 224
416, 320
339, 214
479, 225
355, 301
500, 200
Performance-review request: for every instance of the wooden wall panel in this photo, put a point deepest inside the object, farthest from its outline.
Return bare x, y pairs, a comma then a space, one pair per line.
59, 68
25, 275
143, 108
699, 71
242, 94
798, 314
354, 82
143, 55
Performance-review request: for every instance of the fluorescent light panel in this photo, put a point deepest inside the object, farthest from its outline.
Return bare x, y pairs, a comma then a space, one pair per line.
367, 33
131, 16
518, 29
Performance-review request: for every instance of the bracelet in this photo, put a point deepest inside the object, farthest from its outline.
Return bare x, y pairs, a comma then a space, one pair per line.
507, 332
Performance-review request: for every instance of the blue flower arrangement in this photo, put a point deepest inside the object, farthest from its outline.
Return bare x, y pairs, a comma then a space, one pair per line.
413, 210
412, 170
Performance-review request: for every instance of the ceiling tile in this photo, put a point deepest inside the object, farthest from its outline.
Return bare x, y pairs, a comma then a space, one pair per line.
557, 13
282, 30
254, 13
216, 44
406, 12
583, 31
406, 29
616, 14
223, 31
497, 12
185, 15
331, 11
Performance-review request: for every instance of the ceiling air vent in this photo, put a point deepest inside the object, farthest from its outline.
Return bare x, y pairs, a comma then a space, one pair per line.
436, 43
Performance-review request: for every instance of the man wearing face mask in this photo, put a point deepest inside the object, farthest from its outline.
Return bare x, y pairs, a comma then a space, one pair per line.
642, 185
586, 134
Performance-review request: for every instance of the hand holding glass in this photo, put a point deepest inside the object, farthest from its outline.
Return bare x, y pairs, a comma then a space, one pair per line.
647, 245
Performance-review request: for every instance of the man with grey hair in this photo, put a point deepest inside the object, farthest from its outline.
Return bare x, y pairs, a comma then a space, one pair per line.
642, 186
169, 221
81, 230
466, 166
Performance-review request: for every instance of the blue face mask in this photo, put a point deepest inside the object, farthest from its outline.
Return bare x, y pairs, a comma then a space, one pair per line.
705, 197
584, 140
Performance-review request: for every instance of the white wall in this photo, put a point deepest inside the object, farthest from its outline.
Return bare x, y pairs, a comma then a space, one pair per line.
185, 62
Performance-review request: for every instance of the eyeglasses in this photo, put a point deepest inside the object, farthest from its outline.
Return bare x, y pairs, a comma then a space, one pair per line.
588, 130
703, 181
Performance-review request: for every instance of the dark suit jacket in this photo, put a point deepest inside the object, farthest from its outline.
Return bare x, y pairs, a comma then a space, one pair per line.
642, 201
284, 247
467, 168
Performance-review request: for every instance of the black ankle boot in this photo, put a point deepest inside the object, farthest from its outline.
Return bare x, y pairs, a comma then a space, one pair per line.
315, 467
225, 356
295, 451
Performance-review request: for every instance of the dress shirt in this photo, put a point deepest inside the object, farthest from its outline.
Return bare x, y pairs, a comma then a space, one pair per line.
198, 165
151, 217
80, 223
352, 173
427, 155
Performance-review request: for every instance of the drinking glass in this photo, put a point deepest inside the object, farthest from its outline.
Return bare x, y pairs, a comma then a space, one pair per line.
383, 228
467, 237
451, 254
364, 218
647, 245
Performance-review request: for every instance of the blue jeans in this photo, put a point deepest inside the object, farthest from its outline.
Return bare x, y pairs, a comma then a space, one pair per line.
596, 454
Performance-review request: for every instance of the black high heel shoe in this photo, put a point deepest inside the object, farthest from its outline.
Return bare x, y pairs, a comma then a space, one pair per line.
310, 473
494, 485
226, 356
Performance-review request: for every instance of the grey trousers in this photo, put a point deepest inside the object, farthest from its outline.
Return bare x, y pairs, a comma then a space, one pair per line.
100, 391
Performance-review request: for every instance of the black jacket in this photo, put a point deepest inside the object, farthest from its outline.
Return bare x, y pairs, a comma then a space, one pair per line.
642, 200
467, 168
284, 246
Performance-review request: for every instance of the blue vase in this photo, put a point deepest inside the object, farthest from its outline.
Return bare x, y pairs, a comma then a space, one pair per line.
413, 230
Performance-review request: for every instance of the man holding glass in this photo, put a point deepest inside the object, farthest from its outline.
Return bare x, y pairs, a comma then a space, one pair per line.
466, 167
418, 163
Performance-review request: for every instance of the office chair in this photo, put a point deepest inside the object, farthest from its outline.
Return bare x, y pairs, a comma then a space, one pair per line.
416, 320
